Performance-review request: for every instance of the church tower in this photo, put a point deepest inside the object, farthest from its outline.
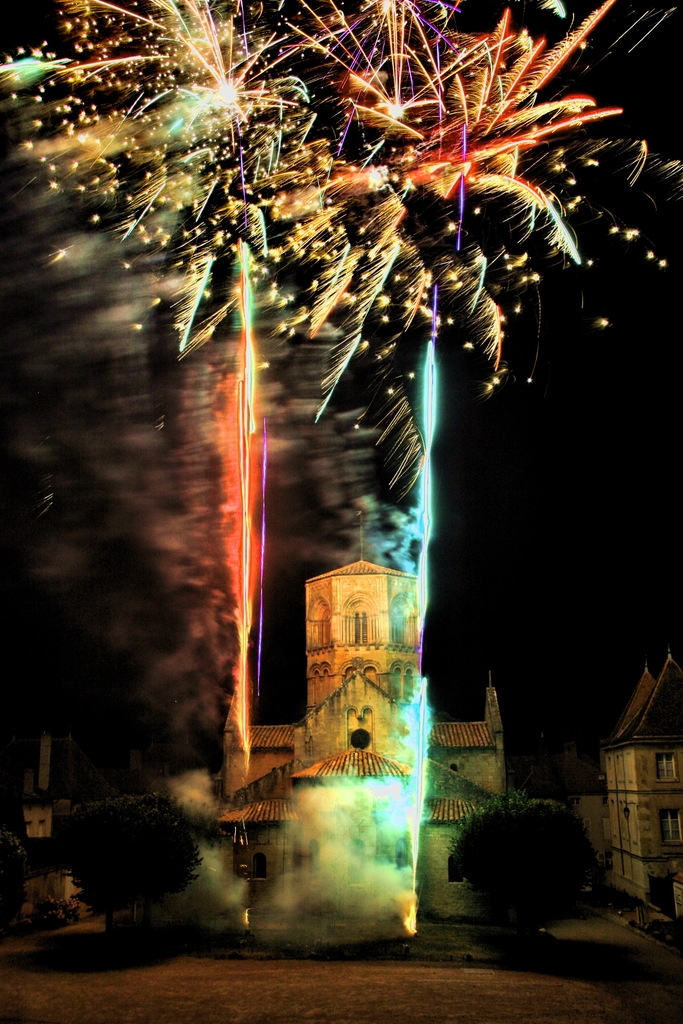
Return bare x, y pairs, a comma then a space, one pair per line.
362, 617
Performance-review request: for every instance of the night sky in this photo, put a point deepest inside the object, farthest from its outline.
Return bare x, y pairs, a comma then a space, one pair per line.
556, 559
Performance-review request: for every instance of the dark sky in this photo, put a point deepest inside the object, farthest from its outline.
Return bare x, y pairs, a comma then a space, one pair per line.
556, 556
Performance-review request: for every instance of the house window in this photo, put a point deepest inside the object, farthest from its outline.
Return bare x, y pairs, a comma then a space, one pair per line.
574, 801
259, 865
670, 824
665, 766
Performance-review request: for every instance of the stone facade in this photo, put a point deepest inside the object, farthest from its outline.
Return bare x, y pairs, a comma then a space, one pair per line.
320, 812
644, 764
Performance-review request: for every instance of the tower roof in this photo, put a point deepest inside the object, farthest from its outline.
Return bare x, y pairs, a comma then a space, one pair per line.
655, 708
362, 568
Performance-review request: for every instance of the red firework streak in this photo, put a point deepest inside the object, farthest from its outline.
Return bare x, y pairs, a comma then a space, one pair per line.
241, 495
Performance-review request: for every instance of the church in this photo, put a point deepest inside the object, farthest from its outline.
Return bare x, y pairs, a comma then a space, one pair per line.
348, 809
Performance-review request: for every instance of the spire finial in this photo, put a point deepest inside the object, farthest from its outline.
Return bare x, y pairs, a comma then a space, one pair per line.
359, 513
668, 653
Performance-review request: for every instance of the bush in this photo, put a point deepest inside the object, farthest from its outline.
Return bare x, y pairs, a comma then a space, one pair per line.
53, 913
529, 856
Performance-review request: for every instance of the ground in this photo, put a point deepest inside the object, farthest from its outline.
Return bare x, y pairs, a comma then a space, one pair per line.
593, 969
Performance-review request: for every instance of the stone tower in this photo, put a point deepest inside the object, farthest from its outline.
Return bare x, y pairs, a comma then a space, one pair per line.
362, 617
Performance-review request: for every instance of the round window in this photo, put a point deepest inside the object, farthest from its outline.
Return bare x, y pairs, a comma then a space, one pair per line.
360, 739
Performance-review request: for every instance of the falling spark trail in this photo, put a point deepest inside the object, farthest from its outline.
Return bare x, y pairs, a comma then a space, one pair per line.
420, 725
264, 461
429, 399
198, 298
419, 789
246, 429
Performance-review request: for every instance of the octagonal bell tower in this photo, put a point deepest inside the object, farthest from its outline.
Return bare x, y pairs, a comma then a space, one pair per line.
362, 617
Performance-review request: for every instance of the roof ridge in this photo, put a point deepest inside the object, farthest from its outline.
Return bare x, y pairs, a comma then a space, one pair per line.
363, 567
346, 682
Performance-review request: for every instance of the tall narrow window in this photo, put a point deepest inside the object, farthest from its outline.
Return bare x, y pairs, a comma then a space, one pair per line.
360, 628
670, 824
259, 865
666, 768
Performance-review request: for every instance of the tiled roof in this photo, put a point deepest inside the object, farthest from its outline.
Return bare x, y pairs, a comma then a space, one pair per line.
355, 764
557, 776
655, 708
271, 737
362, 568
461, 734
537, 776
579, 774
637, 701
262, 811
445, 809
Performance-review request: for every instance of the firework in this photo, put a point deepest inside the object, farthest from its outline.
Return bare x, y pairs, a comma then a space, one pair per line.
369, 153
437, 129
372, 159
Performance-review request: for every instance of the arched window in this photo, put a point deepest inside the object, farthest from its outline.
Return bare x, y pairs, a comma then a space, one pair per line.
401, 853
359, 625
319, 625
396, 683
258, 866
453, 873
360, 628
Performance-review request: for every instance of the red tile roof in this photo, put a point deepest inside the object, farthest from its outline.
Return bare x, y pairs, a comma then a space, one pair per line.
272, 737
447, 809
461, 734
261, 811
355, 764
362, 568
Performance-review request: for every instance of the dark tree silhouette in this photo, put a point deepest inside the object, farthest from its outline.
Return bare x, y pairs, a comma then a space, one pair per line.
128, 848
12, 875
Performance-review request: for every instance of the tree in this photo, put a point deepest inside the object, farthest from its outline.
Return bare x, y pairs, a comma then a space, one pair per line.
530, 856
128, 848
12, 875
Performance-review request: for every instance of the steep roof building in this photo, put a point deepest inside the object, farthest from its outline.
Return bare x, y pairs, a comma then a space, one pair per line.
643, 762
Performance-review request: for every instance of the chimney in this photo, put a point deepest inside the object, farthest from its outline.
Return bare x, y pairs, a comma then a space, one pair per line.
44, 763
